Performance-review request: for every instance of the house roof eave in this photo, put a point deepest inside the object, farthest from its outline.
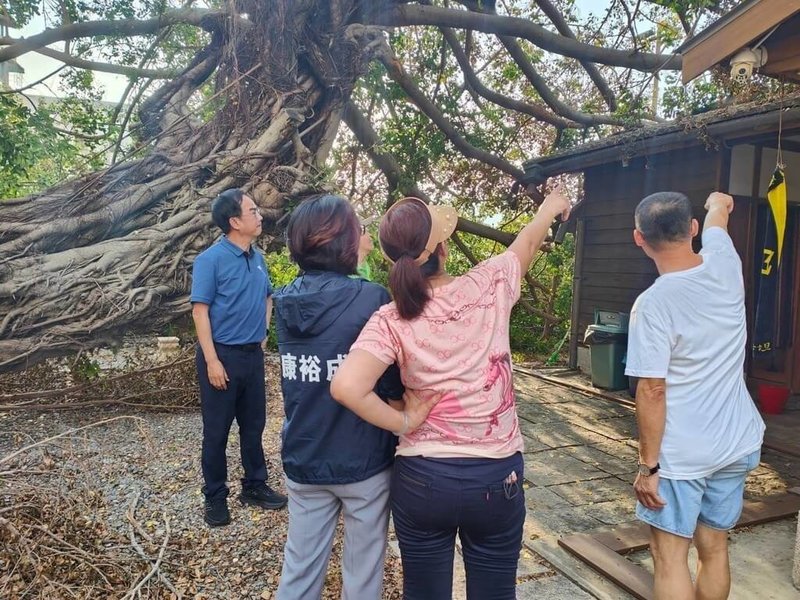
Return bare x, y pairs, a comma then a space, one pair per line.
716, 26
690, 131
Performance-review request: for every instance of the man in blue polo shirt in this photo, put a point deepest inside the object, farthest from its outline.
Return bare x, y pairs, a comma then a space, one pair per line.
231, 305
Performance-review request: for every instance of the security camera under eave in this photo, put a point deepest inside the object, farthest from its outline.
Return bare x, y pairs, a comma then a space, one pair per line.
745, 62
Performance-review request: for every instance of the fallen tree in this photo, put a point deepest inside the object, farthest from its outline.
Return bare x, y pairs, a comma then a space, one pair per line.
257, 106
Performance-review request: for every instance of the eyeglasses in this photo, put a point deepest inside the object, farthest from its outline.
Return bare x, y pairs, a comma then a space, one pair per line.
363, 230
254, 212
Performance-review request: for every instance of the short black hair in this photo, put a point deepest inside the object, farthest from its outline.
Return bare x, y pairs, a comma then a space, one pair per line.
664, 217
323, 235
226, 206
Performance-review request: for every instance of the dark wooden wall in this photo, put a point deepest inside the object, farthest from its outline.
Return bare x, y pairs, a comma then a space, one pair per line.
612, 271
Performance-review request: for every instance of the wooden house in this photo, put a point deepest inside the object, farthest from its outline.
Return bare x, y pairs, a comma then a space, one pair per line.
733, 149
771, 25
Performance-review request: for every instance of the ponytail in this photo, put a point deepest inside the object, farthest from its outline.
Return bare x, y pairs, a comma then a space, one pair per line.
404, 233
409, 284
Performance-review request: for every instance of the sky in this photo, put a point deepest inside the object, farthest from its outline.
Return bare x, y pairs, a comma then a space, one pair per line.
37, 66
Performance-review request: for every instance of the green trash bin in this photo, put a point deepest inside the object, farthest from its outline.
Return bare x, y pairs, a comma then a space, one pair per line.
608, 343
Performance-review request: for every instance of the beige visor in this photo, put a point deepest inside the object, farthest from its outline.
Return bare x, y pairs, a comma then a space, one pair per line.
443, 223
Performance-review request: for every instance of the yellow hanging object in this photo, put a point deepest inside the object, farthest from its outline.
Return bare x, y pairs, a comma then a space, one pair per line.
777, 203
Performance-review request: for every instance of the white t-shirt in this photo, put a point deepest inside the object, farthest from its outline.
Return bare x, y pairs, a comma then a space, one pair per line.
689, 329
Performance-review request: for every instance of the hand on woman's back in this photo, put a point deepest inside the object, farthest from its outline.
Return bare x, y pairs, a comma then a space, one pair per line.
418, 407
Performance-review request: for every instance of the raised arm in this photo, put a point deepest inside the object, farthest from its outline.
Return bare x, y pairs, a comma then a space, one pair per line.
718, 206
530, 239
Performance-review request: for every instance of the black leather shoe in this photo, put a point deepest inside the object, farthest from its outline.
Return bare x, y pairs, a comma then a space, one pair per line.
262, 496
217, 513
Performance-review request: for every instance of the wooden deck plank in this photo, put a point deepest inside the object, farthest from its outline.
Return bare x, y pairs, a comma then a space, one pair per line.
771, 508
626, 538
603, 549
630, 577
781, 446
781, 434
636, 536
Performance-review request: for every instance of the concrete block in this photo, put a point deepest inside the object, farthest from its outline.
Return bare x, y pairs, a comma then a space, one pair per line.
796, 566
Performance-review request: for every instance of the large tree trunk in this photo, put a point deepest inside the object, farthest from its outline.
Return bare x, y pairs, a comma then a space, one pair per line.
112, 252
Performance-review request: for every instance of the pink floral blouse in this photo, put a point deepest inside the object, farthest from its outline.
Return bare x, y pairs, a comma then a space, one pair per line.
459, 345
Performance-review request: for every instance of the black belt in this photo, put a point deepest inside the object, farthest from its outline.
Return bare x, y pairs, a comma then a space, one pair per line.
244, 347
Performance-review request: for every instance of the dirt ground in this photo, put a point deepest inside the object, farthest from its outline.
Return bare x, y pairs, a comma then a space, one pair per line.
102, 500
102, 506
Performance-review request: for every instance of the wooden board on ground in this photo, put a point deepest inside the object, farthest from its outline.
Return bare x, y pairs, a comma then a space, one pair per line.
621, 571
772, 508
781, 434
625, 538
603, 549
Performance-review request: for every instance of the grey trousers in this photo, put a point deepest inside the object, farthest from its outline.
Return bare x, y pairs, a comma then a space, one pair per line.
313, 514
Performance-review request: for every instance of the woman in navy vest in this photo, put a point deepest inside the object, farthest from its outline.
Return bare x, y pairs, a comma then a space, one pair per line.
334, 461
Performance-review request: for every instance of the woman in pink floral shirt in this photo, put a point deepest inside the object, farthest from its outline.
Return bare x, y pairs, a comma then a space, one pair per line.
459, 461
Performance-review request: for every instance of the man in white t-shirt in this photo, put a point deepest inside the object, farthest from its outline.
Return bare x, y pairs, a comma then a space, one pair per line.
699, 431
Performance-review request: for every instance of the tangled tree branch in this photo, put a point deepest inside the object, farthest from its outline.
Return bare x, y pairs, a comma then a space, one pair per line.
155, 570
386, 163
210, 20
395, 70
536, 111
54, 541
513, 26
92, 65
389, 166
564, 29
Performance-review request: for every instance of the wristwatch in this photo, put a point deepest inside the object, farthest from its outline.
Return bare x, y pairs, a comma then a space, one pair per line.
646, 471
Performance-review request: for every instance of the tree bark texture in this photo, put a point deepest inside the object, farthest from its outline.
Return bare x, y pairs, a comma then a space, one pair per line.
112, 252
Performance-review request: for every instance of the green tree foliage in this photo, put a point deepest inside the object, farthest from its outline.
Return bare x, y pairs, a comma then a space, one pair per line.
42, 146
48, 140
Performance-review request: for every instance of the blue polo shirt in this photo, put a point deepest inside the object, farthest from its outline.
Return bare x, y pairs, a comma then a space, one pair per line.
235, 284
